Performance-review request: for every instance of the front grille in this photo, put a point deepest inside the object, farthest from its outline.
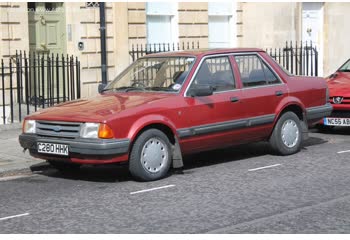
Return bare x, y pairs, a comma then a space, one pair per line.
340, 114
346, 100
58, 129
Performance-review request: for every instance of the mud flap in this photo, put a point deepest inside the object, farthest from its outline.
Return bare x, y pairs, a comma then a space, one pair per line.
177, 156
304, 129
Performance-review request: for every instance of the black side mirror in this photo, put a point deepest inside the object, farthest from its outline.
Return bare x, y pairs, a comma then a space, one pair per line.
334, 75
101, 87
201, 91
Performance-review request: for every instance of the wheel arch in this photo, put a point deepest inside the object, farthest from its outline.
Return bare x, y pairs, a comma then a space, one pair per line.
164, 125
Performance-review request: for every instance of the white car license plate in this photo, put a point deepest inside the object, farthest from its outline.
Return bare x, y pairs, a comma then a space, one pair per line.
53, 148
336, 121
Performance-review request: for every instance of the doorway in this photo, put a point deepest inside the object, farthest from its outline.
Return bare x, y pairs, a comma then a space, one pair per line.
47, 27
312, 29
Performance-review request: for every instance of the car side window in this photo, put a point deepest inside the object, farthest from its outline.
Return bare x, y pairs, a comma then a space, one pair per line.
254, 72
216, 72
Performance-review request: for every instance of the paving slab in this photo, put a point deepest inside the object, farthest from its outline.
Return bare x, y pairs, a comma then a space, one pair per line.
12, 157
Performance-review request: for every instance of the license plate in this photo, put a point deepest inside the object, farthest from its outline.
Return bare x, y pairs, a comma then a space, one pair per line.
336, 121
53, 148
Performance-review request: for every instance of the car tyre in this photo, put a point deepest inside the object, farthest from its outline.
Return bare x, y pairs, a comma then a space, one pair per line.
64, 166
286, 137
150, 156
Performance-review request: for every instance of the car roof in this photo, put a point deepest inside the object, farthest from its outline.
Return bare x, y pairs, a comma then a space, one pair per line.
207, 51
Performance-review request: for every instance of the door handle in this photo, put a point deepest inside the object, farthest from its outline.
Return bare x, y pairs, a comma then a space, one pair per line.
234, 99
278, 93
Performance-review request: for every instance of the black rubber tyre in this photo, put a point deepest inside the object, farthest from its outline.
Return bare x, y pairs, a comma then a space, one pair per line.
278, 141
150, 156
64, 166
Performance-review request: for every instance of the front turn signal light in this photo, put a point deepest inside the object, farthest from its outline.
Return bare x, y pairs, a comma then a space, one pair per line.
105, 131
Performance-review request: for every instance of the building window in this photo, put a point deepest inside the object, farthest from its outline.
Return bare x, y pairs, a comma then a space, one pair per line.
161, 22
220, 23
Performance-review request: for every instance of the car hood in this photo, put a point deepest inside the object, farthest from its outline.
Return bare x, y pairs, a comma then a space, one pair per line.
339, 85
98, 108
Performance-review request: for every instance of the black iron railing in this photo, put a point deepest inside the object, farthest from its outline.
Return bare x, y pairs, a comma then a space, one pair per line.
33, 81
299, 59
140, 50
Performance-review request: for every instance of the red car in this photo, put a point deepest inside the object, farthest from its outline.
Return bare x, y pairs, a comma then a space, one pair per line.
170, 104
339, 96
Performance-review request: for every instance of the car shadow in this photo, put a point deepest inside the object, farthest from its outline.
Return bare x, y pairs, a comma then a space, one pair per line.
333, 130
102, 173
120, 173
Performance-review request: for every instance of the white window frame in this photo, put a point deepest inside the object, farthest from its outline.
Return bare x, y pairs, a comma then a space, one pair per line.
174, 20
232, 21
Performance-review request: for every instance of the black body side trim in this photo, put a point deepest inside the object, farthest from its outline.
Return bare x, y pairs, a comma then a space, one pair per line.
319, 112
225, 126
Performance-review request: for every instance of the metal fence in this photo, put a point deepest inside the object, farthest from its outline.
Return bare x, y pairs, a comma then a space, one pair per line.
298, 59
33, 81
138, 51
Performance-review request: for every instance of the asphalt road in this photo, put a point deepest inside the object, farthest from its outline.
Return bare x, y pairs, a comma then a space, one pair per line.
239, 190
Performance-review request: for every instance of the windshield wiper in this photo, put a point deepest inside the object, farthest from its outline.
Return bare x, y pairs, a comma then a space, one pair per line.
124, 89
166, 89
344, 70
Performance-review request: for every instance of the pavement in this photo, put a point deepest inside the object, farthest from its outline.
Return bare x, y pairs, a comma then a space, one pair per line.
12, 158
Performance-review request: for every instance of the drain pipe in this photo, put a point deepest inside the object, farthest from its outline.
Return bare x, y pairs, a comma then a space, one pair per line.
103, 42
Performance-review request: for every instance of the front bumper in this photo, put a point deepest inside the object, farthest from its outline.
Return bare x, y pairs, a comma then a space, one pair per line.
84, 147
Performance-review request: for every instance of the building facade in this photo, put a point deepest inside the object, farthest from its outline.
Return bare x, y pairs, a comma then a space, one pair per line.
73, 28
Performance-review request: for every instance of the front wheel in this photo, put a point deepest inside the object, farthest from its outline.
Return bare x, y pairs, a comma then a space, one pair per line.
287, 135
150, 156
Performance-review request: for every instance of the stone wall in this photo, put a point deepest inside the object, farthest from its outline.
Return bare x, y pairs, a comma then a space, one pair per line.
336, 36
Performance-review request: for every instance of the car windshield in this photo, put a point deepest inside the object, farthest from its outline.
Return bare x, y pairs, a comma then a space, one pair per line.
345, 67
153, 74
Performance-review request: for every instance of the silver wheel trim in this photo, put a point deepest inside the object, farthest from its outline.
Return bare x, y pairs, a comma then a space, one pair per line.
290, 133
154, 155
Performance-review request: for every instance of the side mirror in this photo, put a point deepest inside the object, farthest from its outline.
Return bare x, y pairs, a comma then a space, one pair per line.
334, 75
201, 91
101, 87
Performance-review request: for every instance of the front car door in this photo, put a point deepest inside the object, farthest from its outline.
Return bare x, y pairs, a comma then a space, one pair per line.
212, 119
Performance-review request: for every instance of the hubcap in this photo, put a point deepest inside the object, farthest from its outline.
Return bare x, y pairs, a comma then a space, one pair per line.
154, 155
290, 133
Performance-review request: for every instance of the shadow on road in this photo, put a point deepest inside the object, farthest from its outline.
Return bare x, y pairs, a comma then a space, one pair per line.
103, 173
120, 173
332, 130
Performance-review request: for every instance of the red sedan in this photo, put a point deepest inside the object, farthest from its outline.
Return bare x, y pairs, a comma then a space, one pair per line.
167, 105
339, 96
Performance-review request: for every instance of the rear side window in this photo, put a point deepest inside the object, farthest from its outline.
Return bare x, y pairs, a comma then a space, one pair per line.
216, 72
255, 72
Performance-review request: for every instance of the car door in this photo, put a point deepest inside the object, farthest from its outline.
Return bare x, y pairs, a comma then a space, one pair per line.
262, 91
214, 118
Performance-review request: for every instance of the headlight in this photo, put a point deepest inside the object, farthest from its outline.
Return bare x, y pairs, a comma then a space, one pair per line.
89, 130
96, 130
29, 126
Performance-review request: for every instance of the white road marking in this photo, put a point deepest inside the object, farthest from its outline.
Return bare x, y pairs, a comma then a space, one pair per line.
14, 216
152, 189
344, 151
8, 178
270, 166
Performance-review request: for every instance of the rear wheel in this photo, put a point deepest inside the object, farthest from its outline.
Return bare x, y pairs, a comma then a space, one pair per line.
287, 135
150, 156
64, 166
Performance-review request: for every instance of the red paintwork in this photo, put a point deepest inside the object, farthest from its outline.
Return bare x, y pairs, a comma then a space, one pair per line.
128, 113
340, 86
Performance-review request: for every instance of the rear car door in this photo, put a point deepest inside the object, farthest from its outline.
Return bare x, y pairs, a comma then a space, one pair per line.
262, 91
213, 119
